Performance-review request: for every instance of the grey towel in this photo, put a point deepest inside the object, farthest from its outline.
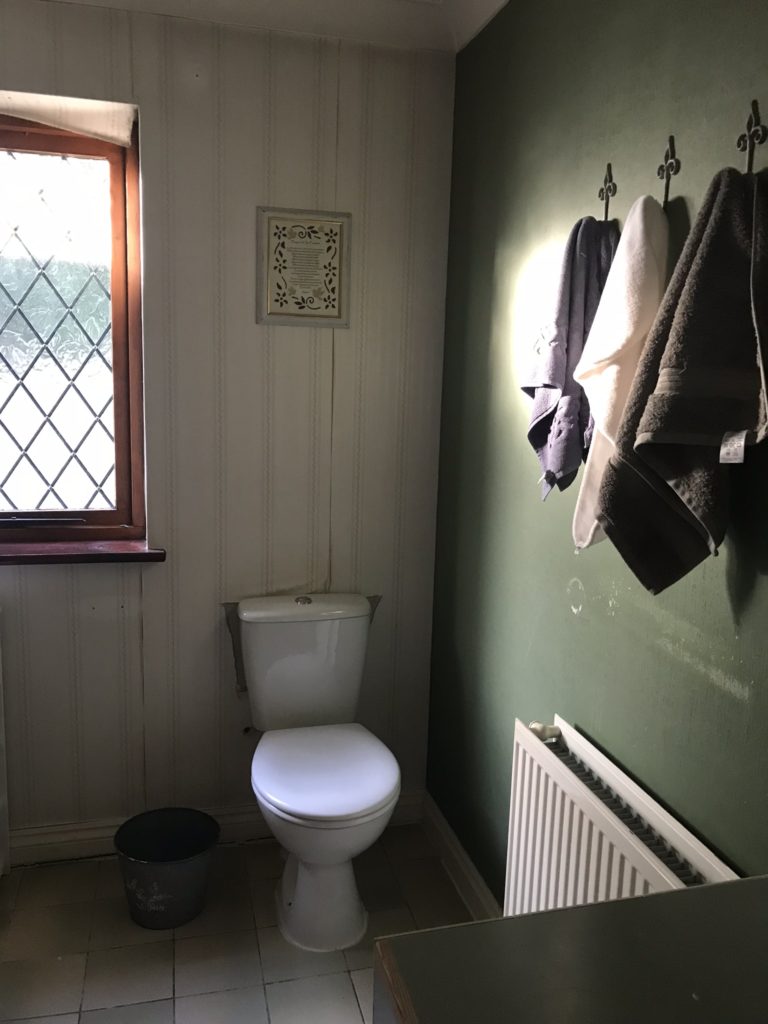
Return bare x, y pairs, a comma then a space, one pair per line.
560, 428
664, 495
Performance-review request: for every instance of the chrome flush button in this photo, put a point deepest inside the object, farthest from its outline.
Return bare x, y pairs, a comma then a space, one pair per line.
303, 600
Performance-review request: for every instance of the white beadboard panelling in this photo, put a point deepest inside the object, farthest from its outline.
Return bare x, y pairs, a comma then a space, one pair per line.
244, 82
386, 411
15, 650
423, 24
392, 105
151, 62
418, 429
353, 195
277, 458
105, 618
192, 93
54, 701
21, 23
303, 143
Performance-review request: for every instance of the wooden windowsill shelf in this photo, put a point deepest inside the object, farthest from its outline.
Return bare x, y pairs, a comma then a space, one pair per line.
72, 552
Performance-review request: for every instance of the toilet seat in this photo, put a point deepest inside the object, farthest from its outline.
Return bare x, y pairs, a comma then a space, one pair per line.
325, 775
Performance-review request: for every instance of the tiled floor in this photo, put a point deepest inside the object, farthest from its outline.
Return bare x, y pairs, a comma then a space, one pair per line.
70, 954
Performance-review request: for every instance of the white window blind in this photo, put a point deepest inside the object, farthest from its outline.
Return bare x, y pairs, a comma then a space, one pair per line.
111, 122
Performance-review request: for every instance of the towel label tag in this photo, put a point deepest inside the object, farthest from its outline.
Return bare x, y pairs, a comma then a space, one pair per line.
732, 448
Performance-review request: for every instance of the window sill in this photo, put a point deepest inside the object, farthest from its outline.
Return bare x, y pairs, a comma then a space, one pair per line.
71, 552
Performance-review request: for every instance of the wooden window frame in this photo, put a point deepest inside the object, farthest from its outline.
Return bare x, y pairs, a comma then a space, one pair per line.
105, 530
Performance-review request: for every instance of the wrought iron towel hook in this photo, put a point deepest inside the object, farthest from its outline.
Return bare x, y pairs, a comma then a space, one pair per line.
608, 190
755, 135
670, 166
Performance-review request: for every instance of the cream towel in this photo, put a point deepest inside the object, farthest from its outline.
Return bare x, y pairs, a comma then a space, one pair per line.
628, 307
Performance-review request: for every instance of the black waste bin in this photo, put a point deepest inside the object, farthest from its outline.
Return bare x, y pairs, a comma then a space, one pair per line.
164, 858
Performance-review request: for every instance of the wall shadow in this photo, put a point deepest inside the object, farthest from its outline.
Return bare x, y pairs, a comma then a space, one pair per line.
679, 217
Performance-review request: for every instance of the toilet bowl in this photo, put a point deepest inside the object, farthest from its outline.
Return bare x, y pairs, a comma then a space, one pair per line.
326, 793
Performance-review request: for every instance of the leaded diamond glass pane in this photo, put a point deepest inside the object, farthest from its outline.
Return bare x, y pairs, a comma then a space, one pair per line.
24, 488
19, 269
70, 345
6, 307
92, 310
68, 278
99, 501
9, 452
105, 347
49, 453
97, 452
74, 486
43, 309
47, 381
72, 418
107, 419
95, 383
57, 447
22, 418
52, 503
18, 344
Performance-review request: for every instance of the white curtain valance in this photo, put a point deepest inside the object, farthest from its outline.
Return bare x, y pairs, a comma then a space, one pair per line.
111, 122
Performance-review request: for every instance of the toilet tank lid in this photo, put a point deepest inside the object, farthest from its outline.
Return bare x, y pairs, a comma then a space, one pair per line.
303, 608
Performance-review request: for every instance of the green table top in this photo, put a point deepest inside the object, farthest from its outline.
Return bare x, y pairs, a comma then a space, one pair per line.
697, 956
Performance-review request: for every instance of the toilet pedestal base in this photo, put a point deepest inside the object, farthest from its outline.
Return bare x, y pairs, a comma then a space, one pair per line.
319, 907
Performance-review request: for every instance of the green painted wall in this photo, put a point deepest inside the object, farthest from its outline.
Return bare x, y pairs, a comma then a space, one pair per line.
674, 687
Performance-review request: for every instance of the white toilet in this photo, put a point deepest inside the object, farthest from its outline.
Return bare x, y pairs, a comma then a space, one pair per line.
325, 785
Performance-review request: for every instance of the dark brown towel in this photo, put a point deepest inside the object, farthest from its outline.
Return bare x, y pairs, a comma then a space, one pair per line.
664, 495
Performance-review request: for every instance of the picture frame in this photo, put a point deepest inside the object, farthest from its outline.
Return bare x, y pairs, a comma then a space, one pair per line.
303, 261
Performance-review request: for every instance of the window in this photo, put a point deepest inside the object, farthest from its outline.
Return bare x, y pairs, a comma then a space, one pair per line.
71, 433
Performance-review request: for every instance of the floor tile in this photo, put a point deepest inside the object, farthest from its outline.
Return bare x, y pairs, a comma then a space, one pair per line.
229, 864
406, 842
112, 926
380, 922
263, 901
46, 931
212, 963
280, 961
430, 894
133, 974
59, 1018
160, 1012
34, 988
363, 983
109, 881
51, 884
240, 1006
374, 857
265, 859
9, 885
377, 884
227, 909
327, 1000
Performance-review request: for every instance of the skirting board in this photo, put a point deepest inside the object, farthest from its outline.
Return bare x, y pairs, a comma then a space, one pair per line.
470, 885
37, 844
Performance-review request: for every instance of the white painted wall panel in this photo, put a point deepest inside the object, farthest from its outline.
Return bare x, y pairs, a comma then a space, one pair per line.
277, 458
419, 412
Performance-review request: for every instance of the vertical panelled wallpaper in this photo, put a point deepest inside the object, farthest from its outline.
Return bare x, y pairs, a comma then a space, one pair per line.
277, 458
674, 687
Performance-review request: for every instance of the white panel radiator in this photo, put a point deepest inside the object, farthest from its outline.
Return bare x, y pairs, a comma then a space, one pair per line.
580, 831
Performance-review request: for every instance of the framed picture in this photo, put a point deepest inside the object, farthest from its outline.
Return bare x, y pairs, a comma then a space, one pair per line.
302, 268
